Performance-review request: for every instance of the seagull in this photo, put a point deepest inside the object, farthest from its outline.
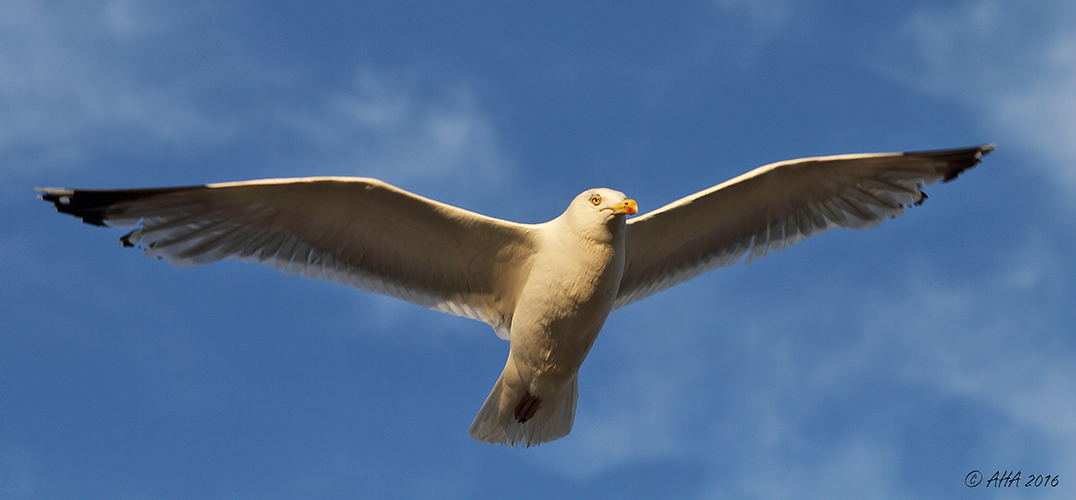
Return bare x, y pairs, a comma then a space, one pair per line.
546, 288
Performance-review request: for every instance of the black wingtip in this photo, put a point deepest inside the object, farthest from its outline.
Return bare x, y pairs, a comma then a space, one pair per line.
950, 163
66, 201
959, 160
94, 207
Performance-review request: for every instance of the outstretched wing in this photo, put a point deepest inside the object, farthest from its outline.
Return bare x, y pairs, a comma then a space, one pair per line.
358, 232
775, 206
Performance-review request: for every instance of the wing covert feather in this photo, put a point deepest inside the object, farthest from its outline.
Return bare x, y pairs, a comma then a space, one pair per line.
775, 206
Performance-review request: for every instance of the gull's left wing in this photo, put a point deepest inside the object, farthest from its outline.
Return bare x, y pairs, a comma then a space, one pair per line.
775, 206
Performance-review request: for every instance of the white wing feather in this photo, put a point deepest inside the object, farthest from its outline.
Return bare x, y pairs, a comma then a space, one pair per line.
775, 206
358, 232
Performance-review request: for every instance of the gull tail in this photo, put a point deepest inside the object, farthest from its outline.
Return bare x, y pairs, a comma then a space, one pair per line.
512, 415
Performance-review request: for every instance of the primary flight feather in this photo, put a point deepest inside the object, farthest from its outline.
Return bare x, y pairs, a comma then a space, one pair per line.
547, 288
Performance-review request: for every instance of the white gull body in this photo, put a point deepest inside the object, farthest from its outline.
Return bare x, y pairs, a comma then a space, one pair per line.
570, 289
547, 288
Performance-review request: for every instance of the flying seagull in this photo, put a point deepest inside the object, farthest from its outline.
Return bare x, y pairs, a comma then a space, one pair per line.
547, 288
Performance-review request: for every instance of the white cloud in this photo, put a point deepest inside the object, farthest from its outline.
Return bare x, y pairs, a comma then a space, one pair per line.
992, 344
855, 467
117, 77
975, 344
1014, 61
397, 125
767, 17
66, 73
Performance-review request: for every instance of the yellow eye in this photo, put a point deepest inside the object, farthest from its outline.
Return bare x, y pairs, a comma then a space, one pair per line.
596, 199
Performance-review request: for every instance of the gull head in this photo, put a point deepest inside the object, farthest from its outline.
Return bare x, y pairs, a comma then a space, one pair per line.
599, 212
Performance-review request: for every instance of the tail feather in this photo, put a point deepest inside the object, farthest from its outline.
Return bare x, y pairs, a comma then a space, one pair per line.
509, 415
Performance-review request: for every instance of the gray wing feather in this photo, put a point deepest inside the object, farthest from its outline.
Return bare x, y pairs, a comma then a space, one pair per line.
775, 206
357, 232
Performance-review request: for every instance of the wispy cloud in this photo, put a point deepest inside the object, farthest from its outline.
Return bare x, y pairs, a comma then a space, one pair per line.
67, 74
1014, 61
85, 79
854, 467
400, 126
767, 17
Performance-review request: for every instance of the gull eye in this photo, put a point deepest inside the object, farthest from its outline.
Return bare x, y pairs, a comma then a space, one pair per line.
596, 199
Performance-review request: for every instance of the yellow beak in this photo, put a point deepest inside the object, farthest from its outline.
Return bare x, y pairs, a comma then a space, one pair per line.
625, 207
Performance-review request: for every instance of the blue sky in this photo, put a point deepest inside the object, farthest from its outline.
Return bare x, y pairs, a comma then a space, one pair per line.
858, 364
